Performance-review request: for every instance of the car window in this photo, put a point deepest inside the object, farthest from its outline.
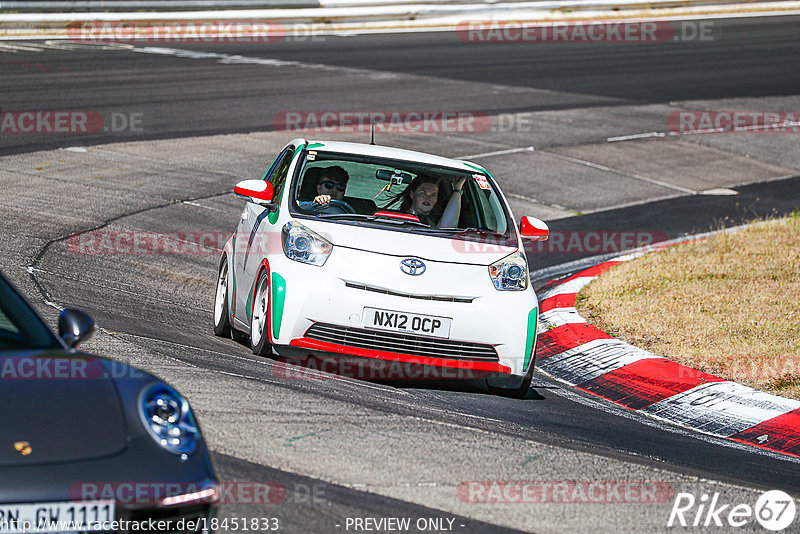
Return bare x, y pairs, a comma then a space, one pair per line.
377, 185
20, 327
6, 325
279, 170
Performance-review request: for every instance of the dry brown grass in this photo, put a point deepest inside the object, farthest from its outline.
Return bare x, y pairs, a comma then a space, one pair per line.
727, 305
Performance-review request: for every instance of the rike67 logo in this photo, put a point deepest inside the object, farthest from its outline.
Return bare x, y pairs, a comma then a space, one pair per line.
774, 510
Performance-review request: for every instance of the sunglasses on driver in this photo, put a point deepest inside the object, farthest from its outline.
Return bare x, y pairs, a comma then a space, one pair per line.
327, 184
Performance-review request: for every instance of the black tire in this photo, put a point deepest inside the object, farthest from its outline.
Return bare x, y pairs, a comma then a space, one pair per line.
259, 323
222, 316
515, 393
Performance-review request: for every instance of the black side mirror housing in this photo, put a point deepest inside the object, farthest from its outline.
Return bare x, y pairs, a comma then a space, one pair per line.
75, 326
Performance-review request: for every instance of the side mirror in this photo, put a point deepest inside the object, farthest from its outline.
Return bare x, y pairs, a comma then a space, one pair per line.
533, 228
258, 191
75, 326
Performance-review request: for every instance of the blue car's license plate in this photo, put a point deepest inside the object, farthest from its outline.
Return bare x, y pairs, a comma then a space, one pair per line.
56, 516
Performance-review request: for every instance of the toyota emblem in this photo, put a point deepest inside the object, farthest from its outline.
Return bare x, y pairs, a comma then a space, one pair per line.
412, 266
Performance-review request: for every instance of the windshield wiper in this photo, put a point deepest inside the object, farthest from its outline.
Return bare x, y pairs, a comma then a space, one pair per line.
476, 231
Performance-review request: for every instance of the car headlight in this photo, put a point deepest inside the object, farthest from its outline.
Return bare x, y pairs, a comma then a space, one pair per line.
168, 419
303, 245
510, 273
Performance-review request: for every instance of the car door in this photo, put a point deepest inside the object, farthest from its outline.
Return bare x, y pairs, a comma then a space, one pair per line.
256, 236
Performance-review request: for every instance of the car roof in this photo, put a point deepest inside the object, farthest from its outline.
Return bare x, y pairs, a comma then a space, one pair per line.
392, 153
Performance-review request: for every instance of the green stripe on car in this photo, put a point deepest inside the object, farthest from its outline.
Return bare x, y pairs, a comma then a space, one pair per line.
533, 317
278, 297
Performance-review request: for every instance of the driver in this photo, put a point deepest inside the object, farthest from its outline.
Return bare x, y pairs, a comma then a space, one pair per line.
331, 184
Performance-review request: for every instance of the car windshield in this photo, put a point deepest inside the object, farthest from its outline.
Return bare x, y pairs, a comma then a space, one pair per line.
372, 190
20, 327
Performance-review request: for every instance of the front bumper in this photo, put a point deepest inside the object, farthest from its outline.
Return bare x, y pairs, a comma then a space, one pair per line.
493, 327
151, 491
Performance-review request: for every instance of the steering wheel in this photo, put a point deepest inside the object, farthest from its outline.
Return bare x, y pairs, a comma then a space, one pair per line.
334, 206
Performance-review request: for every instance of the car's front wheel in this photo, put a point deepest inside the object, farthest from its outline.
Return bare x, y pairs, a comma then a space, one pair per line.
222, 322
259, 336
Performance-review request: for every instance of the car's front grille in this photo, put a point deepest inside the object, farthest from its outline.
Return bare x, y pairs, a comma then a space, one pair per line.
437, 298
402, 343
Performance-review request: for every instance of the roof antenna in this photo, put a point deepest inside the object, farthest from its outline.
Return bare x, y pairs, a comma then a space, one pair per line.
372, 128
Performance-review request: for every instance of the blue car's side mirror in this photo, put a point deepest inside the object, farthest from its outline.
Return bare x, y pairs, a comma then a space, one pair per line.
75, 326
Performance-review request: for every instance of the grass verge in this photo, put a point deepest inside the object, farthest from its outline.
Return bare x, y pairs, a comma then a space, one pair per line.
728, 305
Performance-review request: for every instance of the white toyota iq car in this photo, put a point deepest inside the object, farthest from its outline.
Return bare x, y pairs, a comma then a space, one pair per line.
382, 263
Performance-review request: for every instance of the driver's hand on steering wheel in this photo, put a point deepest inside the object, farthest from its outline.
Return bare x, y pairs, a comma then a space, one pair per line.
322, 199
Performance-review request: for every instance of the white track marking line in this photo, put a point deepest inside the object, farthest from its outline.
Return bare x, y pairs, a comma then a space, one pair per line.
441, 23
638, 136
204, 207
516, 195
541, 202
753, 128
498, 153
58, 44
229, 59
14, 48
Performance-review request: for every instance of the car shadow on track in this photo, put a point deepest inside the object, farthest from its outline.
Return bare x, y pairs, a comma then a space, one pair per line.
401, 375
398, 375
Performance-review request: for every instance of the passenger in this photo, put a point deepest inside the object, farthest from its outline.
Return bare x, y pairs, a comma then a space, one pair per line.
331, 184
421, 197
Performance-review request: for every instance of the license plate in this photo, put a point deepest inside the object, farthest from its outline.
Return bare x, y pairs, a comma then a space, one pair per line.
56, 516
410, 323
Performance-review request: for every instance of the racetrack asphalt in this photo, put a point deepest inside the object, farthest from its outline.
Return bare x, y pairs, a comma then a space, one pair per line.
379, 447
